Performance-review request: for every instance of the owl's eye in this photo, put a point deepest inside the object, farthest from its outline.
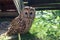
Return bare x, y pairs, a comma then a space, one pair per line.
26, 13
31, 13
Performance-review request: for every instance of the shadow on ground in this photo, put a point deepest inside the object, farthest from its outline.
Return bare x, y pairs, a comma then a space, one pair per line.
26, 36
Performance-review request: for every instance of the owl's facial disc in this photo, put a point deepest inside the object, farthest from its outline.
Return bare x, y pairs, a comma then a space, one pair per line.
28, 12
28, 15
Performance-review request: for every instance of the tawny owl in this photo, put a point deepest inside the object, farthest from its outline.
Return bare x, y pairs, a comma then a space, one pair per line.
23, 22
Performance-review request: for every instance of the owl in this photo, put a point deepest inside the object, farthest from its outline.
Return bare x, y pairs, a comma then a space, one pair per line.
22, 23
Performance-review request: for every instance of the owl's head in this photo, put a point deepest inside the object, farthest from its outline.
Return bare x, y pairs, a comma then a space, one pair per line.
28, 12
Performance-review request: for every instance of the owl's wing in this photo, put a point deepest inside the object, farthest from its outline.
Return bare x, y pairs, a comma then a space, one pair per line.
13, 26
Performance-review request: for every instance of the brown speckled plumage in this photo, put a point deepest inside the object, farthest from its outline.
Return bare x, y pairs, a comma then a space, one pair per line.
23, 22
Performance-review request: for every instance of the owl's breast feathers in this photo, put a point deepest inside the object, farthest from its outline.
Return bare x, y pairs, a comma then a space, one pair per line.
17, 25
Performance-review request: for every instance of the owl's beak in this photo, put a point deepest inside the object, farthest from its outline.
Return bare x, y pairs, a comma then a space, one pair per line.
28, 17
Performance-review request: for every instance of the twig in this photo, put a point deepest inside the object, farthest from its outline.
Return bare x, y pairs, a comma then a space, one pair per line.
19, 38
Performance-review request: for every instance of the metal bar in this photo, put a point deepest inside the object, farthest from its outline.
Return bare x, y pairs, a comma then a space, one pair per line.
19, 5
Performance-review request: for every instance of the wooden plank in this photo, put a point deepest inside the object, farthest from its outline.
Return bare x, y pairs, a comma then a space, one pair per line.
8, 4
8, 14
